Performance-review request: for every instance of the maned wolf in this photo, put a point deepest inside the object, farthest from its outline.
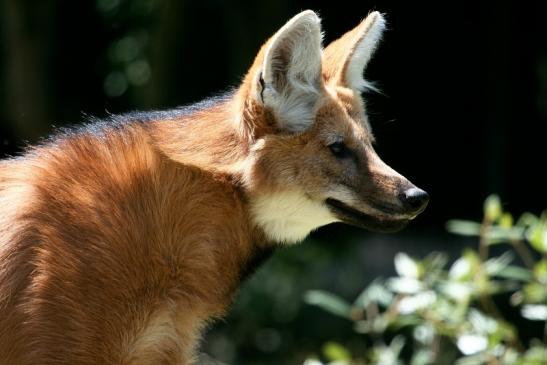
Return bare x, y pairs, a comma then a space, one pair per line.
120, 241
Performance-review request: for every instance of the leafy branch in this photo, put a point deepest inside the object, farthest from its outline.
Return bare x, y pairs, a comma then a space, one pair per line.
450, 310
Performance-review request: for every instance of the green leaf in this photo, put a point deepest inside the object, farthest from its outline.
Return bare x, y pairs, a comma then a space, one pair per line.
414, 303
515, 273
503, 235
434, 262
535, 355
334, 351
506, 220
405, 285
421, 357
482, 323
540, 271
463, 227
328, 302
492, 208
477, 359
376, 325
534, 312
424, 333
312, 362
473, 257
457, 291
384, 355
397, 345
406, 266
497, 264
405, 321
471, 343
460, 269
510, 356
527, 220
535, 293
537, 235
375, 292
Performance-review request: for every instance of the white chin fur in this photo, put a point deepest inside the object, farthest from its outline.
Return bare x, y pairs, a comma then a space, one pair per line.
289, 216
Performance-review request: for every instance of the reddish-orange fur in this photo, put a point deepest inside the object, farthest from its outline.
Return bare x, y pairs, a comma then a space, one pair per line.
112, 232
118, 246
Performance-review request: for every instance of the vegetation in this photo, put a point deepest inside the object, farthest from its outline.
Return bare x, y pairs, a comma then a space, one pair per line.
434, 313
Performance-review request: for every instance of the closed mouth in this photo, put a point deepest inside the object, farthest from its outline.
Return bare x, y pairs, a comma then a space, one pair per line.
349, 215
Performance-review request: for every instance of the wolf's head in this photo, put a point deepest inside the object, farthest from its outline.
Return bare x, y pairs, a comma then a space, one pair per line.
312, 160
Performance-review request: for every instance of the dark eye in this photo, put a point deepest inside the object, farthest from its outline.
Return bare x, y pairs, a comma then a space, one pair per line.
340, 150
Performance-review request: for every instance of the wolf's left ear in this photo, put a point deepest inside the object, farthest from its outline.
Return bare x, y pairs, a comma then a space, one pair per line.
289, 80
345, 59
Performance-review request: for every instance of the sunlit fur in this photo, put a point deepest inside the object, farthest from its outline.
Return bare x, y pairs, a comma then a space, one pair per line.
121, 240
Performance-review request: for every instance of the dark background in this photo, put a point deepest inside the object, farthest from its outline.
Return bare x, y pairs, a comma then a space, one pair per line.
462, 114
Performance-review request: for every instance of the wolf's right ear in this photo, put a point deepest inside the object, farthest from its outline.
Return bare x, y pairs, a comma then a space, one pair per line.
289, 81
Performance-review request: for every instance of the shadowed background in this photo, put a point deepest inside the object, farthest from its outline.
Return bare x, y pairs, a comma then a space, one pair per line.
462, 114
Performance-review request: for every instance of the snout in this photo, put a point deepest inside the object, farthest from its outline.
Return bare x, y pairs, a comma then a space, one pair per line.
414, 200
389, 217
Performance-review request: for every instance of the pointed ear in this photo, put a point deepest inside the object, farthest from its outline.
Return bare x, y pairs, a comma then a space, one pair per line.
290, 77
345, 59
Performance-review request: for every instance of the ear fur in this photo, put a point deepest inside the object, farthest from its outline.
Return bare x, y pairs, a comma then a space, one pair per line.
290, 77
346, 58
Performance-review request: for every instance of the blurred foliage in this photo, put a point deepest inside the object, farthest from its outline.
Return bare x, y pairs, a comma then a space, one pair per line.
434, 313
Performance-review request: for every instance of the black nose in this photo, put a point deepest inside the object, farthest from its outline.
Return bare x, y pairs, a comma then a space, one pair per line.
414, 199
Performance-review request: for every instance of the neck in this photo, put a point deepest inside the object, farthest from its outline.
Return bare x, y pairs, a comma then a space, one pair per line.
206, 137
216, 137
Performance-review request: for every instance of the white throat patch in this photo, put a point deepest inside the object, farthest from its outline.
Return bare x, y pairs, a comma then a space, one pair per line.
289, 216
